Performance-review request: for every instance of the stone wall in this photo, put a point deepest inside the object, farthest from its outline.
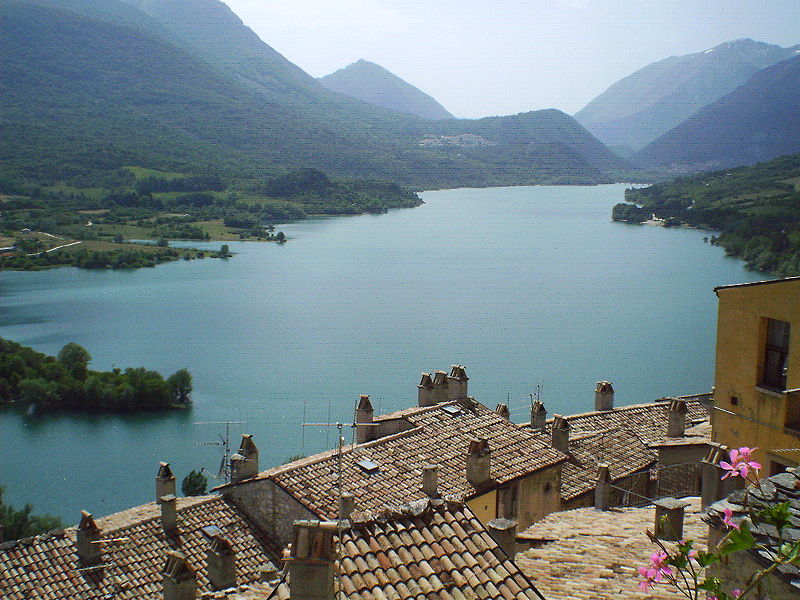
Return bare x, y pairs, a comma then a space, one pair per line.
271, 507
735, 569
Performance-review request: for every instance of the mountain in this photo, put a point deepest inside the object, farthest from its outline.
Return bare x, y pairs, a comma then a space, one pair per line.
758, 121
648, 103
375, 85
91, 85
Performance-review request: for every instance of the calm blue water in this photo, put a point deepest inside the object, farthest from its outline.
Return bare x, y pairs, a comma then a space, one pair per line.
524, 286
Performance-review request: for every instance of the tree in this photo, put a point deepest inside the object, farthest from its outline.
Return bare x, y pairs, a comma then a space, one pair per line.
194, 484
76, 360
280, 237
180, 385
224, 251
20, 523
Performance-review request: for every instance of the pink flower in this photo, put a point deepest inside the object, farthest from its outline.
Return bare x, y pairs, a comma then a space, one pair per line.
741, 462
655, 571
736, 593
728, 520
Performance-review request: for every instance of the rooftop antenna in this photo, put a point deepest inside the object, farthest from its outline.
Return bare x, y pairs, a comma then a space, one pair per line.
224, 471
340, 448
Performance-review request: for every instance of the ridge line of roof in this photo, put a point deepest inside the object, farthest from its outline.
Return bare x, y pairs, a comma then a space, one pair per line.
751, 283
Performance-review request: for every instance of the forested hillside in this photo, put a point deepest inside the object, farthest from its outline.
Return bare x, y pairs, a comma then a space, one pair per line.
756, 210
91, 91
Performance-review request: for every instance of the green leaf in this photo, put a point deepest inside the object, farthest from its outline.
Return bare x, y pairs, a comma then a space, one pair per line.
710, 584
737, 540
705, 559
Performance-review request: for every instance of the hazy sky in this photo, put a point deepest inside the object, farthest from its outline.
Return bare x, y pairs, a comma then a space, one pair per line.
498, 57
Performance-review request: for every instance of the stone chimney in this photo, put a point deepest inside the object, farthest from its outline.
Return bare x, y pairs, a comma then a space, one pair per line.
479, 462
502, 410
504, 532
244, 464
311, 562
602, 491
169, 513
165, 481
425, 391
180, 581
457, 383
676, 414
603, 396
440, 387
347, 504
430, 480
560, 433
364, 420
538, 415
669, 518
221, 563
713, 487
88, 534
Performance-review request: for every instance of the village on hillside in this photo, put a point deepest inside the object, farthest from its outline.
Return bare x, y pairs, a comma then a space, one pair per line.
449, 499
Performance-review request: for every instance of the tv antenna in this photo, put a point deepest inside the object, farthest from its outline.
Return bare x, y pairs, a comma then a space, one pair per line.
224, 471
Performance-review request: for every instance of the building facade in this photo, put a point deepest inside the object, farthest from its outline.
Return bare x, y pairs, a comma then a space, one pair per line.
757, 379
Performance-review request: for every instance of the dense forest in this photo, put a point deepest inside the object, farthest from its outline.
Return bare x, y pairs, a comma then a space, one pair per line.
66, 382
756, 210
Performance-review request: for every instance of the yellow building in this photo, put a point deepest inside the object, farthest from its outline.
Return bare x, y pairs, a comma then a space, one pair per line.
757, 380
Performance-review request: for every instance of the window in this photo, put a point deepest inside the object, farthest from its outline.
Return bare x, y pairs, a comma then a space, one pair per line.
776, 354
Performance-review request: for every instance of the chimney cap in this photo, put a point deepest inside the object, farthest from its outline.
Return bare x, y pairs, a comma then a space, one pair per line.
479, 446
538, 406
678, 405
168, 498
426, 381
177, 567
604, 387
364, 404
87, 522
164, 471
458, 372
559, 422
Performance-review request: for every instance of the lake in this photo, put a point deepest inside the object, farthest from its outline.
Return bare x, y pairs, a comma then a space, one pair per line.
525, 286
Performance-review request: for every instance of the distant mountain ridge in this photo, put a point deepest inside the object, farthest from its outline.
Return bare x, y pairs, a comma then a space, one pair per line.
646, 104
758, 121
98, 84
375, 85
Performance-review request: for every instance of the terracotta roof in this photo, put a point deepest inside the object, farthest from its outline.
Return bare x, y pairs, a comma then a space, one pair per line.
49, 565
587, 554
623, 452
429, 549
437, 436
647, 421
783, 487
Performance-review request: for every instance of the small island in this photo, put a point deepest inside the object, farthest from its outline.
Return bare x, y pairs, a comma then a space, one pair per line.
66, 382
89, 221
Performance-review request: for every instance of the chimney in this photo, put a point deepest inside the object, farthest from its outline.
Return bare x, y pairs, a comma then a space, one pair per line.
479, 462
603, 396
502, 410
180, 582
364, 414
347, 504
669, 518
430, 480
165, 481
560, 433
713, 487
89, 552
602, 491
221, 563
504, 532
425, 391
676, 415
538, 415
311, 562
440, 387
457, 383
169, 513
244, 464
